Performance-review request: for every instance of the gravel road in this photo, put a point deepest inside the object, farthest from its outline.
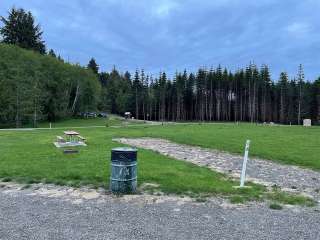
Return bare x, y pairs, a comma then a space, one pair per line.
50, 212
289, 178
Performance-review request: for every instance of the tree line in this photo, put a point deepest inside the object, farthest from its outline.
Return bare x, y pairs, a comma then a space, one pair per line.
214, 94
40, 85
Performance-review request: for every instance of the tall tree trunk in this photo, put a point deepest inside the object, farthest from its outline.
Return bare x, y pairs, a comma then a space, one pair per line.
299, 103
218, 111
75, 99
211, 101
137, 104
254, 103
144, 113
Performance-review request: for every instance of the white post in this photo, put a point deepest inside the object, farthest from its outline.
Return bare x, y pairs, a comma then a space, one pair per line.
244, 164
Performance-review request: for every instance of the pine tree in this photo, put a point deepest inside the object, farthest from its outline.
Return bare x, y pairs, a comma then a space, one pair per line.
93, 66
52, 53
283, 84
143, 93
190, 89
316, 105
180, 90
162, 86
218, 93
300, 82
136, 86
265, 92
184, 99
20, 29
292, 102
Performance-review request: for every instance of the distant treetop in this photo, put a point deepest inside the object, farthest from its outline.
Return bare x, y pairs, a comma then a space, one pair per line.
19, 28
93, 66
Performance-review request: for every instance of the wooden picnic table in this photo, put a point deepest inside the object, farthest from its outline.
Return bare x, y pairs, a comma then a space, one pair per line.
71, 135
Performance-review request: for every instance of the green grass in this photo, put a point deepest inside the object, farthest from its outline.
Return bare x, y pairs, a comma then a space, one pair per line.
77, 122
275, 206
295, 145
30, 157
290, 199
112, 120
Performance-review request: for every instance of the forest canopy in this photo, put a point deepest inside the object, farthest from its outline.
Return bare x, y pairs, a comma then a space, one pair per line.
36, 85
214, 94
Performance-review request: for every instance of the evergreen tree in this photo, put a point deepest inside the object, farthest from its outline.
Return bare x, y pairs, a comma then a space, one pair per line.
162, 89
20, 29
316, 103
265, 83
191, 90
52, 53
300, 81
34, 87
218, 92
93, 66
60, 58
136, 86
283, 84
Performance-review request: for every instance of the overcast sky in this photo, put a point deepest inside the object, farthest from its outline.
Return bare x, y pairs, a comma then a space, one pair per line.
177, 34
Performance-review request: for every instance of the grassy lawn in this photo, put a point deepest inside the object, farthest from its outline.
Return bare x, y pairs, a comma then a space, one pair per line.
78, 122
287, 144
30, 156
112, 120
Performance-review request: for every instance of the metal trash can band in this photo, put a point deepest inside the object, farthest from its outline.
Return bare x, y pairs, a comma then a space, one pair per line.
123, 170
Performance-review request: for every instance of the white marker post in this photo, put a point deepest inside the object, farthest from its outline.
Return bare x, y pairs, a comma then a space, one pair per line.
244, 164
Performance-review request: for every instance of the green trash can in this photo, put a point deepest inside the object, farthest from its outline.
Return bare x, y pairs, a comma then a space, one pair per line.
123, 170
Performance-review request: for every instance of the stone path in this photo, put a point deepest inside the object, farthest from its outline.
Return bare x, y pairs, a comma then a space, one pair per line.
288, 178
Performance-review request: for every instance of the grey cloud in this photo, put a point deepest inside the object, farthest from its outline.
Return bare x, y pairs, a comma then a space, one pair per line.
177, 34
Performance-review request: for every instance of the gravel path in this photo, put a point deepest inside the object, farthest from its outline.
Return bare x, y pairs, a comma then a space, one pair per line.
289, 178
50, 212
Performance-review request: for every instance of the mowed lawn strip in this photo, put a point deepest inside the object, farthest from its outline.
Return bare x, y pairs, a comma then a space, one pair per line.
30, 156
295, 145
111, 120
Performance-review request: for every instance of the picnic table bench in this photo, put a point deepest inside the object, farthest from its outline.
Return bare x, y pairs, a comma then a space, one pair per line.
71, 135
70, 139
70, 151
60, 139
82, 138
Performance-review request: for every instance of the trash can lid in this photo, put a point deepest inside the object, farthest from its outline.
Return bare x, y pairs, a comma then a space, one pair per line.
124, 149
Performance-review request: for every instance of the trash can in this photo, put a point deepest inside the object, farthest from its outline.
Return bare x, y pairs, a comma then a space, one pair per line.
123, 170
